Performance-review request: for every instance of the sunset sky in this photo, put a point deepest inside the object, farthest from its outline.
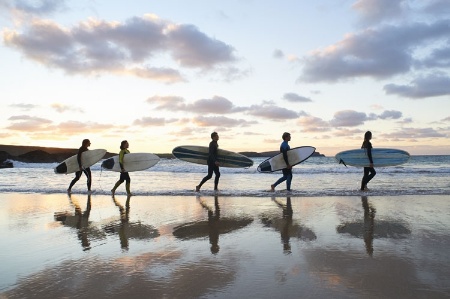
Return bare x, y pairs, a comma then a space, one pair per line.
166, 73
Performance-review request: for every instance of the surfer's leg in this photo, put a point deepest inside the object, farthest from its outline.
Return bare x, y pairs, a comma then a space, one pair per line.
87, 172
120, 181
288, 181
371, 174
207, 177
127, 183
75, 179
217, 176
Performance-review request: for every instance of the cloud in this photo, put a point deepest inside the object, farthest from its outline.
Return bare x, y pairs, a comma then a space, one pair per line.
23, 106
61, 108
375, 11
28, 123
272, 112
348, 118
215, 105
221, 121
390, 114
423, 87
295, 98
374, 52
39, 128
278, 54
313, 124
413, 133
40, 7
153, 121
98, 46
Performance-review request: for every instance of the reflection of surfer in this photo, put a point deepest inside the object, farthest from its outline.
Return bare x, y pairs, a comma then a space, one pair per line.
213, 163
369, 223
87, 171
124, 218
80, 220
287, 218
213, 224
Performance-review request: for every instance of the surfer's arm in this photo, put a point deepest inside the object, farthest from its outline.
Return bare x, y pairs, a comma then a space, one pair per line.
369, 155
284, 150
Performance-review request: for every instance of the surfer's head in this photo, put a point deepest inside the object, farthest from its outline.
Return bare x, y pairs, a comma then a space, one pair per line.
123, 144
214, 135
86, 142
286, 135
368, 135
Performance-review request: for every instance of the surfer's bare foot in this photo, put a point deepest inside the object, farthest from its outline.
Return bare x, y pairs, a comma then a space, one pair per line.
272, 188
197, 188
113, 191
69, 191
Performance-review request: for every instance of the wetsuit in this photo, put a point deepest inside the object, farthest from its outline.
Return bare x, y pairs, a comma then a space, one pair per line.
87, 170
287, 172
124, 175
369, 172
212, 167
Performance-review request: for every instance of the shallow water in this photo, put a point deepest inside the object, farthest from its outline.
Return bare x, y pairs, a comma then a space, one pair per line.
317, 176
82, 246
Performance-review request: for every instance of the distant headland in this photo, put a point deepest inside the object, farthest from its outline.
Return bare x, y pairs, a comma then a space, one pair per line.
38, 154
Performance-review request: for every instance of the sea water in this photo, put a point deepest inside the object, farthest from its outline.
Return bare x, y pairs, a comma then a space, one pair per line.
318, 176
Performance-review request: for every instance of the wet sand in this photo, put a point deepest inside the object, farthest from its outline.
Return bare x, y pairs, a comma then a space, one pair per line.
56, 246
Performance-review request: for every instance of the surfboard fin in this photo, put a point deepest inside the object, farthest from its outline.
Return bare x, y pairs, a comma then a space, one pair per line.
342, 162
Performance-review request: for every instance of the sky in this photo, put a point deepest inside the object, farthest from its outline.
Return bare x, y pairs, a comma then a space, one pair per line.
161, 74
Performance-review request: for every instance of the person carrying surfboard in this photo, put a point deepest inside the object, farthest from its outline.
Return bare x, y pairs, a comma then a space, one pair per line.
287, 172
213, 163
124, 175
87, 171
369, 172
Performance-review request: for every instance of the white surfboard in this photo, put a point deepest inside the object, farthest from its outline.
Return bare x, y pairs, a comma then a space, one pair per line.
199, 155
295, 156
131, 162
381, 157
88, 158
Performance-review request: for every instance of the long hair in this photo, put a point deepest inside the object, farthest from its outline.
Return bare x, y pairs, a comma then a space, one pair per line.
122, 144
367, 137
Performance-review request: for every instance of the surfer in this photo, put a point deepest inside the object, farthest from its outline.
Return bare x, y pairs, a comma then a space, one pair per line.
369, 172
287, 172
124, 175
213, 164
87, 171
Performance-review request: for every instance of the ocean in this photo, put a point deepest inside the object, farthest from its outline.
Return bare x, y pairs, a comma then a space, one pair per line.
318, 176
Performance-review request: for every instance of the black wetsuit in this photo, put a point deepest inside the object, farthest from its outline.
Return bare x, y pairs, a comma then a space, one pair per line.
369, 172
212, 167
87, 170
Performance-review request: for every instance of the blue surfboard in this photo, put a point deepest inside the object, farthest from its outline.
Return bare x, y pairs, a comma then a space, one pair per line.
382, 157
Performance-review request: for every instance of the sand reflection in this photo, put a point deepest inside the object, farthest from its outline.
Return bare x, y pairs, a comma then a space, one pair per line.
127, 229
79, 220
369, 229
213, 227
287, 227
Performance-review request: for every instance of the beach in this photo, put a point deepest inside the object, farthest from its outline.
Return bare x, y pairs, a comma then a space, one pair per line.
213, 246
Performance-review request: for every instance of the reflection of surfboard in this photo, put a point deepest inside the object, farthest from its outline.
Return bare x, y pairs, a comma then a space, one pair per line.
295, 156
204, 228
88, 158
382, 157
199, 155
131, 162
